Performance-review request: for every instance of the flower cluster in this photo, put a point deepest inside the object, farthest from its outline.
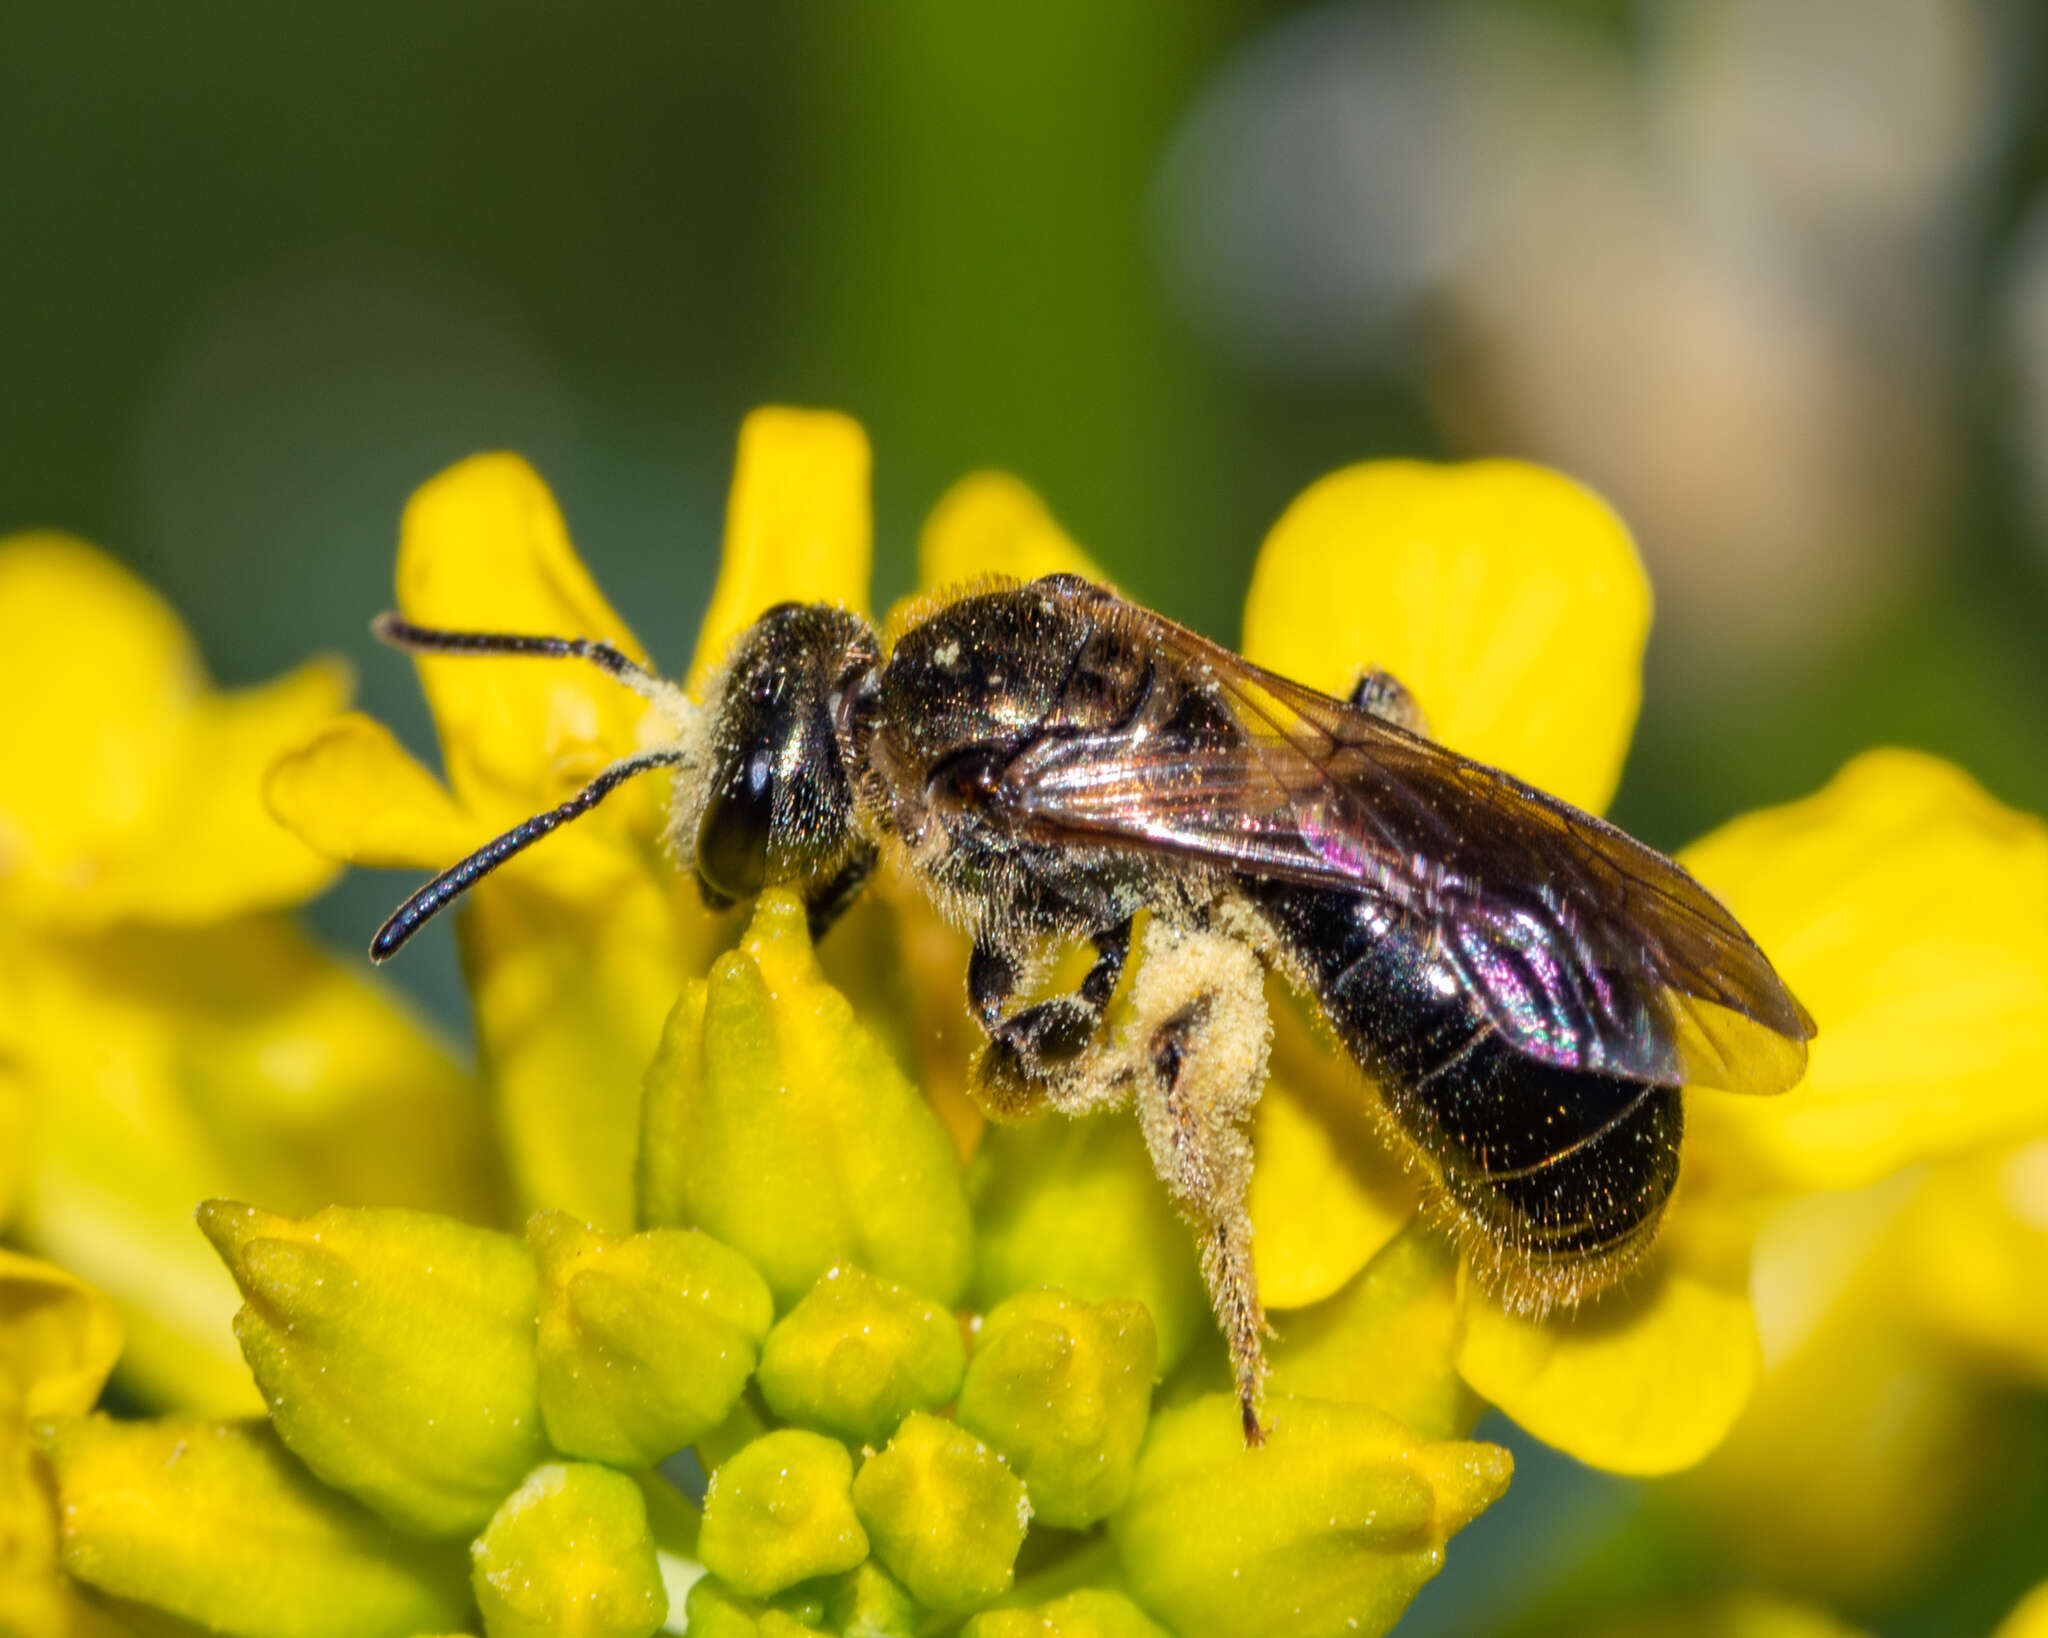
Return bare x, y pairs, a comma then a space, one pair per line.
935, 1373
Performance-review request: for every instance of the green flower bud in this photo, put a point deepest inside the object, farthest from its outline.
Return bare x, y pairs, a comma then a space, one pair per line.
946, 1516
396, 1352
1063, 1389
714, 1610
215, 1523
569, 1554
780, 1512
773, 1120
1388, 1338
645, 1342
1075, 1205
1093, 1612
868, 1602
858, 1354
1330, 1528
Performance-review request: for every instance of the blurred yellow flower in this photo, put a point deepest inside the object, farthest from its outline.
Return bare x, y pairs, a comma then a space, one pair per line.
165, 1033
1904, 1325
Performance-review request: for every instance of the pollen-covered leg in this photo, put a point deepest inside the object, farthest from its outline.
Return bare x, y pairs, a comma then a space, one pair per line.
1385, 696
1050, 1048
1196, 1046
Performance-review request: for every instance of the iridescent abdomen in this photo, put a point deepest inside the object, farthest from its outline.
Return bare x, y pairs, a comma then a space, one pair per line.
1565, 1171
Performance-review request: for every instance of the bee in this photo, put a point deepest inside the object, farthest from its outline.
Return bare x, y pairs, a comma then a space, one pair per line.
1526, 987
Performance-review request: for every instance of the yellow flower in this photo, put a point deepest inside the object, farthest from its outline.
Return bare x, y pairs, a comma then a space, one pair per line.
576, 952
1511, 603
1899, 1311
165, 1033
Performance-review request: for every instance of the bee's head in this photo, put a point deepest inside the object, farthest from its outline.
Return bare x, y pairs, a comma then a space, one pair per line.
776, 800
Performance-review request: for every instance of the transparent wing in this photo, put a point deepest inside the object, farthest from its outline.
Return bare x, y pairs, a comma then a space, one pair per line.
1586, 948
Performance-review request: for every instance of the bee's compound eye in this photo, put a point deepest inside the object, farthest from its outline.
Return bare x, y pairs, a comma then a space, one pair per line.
732, 841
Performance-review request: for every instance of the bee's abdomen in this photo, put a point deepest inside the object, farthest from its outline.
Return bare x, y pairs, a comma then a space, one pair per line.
1556, 1176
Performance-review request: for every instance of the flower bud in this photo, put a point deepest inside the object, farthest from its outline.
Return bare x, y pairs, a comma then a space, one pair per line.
1075, 1205
1063, 1390
946, 1516
714, 1610
645, 1341
858, 1354
773, 1120
780, 1512
396, 1352
569, 1554
868, 1602
1092, 1612
1329, 1528
217, 1524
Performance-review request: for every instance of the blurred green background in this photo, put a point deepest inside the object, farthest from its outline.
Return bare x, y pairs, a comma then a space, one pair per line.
1772, 274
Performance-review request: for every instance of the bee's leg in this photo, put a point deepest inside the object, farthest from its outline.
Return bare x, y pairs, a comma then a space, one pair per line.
1198, 1041
1387, 697
826, 904
1038, 1050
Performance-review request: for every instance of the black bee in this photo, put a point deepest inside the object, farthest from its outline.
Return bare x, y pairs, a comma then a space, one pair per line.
1526, 986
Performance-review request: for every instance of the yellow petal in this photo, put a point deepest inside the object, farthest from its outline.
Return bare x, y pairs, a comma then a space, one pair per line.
1327, 1192
58, 1340
316, 1087
17, 1118
221, 852
1904, 906
1890, 1448
570, 992
1646, 1379
353, 793
1389, 1339
1506, 597
2029, 1617
798, 524
102, 684
1975, 1257
170, 1064
990, 524
483, 548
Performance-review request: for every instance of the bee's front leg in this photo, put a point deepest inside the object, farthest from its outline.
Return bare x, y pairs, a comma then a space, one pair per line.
1038, 1051
1197, 1044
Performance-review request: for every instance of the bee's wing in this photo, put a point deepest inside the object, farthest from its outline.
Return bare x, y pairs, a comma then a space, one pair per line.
1586, 948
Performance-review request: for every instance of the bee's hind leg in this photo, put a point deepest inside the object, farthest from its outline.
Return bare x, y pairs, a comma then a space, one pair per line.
1046, 1051
1197, 1043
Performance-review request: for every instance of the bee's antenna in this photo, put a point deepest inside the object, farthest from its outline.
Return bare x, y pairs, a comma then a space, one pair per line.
458, 879
400, 632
